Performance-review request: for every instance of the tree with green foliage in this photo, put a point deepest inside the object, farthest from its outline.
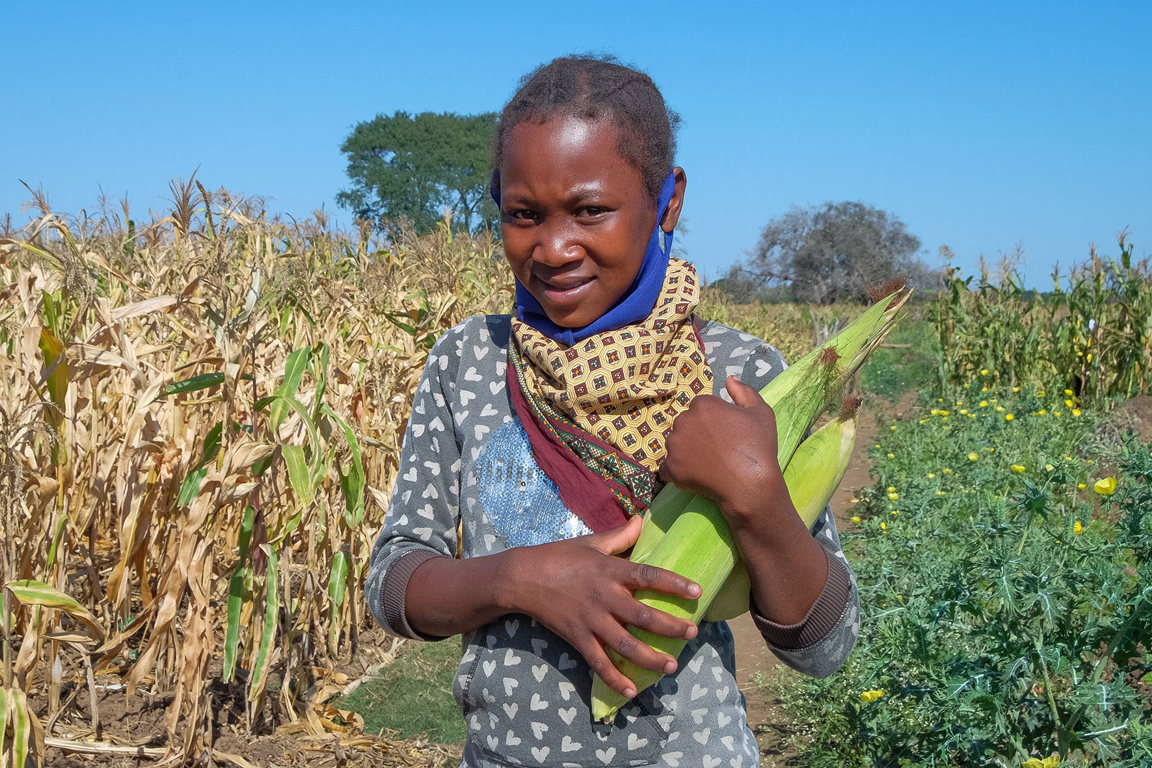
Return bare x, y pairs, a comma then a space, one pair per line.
421, 168
830, 253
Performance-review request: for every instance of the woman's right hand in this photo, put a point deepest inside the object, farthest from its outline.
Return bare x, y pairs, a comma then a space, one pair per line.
582, 590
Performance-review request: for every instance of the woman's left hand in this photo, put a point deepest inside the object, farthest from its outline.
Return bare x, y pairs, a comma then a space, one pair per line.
727, 452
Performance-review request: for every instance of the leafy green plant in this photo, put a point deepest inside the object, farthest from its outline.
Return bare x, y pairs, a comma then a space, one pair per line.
1006, 586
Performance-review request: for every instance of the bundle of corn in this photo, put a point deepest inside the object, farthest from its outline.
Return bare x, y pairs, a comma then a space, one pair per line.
688, 534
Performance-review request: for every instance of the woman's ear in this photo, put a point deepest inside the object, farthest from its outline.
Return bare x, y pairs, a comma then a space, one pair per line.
676, 204
494, 187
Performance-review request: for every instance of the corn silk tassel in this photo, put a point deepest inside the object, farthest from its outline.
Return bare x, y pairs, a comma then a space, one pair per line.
688, 534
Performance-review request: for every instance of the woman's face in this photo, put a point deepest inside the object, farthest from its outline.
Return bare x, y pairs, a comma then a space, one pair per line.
575, 216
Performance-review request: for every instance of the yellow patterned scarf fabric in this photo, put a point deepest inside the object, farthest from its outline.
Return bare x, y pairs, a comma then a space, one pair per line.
625, 386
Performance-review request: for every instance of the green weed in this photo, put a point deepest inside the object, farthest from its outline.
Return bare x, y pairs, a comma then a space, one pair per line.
412, 697
1004, 574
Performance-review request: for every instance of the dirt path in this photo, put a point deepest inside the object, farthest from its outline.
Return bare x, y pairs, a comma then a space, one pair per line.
765, 714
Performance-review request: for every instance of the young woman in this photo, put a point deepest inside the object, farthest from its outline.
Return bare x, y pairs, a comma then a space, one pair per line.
545, 435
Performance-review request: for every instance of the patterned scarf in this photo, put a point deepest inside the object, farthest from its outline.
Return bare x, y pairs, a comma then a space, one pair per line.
612, 397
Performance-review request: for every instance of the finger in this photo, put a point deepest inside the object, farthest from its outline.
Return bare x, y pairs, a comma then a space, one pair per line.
742, 394
645, 577
624, 645
600, 662
620, 539
645, 617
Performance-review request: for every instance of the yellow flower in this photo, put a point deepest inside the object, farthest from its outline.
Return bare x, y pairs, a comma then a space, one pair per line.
1008, 417
983, 403
963, 411
855, 519
931, 475
939, 493
1081, 486
891, 455
1015, 389
1035, 762
1069, 403
1040, 393
1075, 411
973, 456
870, 696
1069, 392
1078, 527
1042, 412
1049, 467
893, 427
891, 488
999, 409
1018, 468
883, 526
1105, 486
893, 496
946, 471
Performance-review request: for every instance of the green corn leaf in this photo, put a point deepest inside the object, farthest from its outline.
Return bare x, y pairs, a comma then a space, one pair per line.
3, 720
354, 480
30, 592
294, 368
202, 381
20, 724
237, 590
191, 486
298, 474
337, 583
263, 659
320, 372
54, 361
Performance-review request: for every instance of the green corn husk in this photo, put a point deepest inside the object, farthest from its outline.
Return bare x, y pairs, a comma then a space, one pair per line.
698, 543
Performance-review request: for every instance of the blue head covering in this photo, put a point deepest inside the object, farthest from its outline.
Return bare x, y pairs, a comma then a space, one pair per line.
636, 302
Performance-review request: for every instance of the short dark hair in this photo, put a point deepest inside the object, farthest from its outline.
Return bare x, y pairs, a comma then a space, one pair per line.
599, 88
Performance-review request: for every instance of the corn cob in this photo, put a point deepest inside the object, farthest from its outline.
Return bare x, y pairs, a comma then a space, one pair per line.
698, 543
812, 478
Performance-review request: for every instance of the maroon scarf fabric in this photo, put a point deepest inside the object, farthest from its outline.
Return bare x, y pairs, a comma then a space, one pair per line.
583, 491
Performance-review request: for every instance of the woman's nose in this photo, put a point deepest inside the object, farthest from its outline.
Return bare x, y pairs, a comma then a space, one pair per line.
556, 246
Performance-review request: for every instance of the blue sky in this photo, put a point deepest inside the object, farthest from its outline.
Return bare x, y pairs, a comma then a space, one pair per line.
980, 125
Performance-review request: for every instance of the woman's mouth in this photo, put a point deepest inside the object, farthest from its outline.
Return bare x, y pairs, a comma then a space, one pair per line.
563, 291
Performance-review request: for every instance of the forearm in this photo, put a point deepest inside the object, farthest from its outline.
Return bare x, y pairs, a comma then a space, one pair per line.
445, 596
787, 567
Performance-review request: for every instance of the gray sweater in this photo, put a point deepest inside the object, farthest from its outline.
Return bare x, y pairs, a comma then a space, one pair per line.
524, 691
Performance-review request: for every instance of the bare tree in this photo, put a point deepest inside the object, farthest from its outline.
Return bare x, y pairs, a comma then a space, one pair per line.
833, 252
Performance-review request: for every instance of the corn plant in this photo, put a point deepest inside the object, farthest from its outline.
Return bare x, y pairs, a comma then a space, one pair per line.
201, 418
1091, 334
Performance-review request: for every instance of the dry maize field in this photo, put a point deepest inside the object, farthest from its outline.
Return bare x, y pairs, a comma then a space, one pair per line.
200, 420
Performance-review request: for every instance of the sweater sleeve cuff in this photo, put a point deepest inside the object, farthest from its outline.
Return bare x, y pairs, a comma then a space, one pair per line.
395, 590
822, 617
